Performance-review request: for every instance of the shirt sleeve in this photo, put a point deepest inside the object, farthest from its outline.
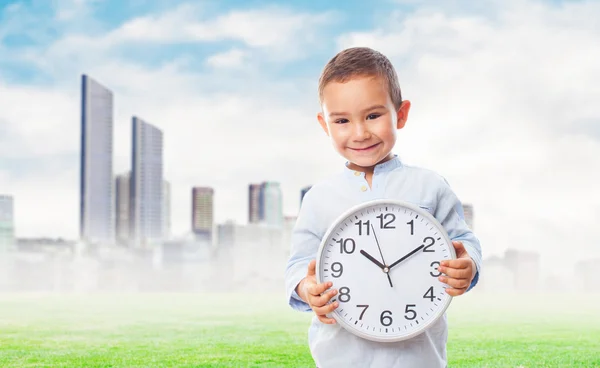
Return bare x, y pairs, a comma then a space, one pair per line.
450, 213
304, 246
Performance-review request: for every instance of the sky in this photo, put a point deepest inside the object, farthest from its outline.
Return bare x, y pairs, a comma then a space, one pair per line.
504, 104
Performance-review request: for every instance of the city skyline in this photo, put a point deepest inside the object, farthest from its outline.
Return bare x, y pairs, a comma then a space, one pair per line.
139, 205
131, 208
138, 201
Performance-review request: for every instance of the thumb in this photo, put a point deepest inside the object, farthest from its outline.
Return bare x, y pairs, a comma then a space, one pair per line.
459, 247
311, 268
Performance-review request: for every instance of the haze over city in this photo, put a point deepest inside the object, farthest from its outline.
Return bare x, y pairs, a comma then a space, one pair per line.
509, 118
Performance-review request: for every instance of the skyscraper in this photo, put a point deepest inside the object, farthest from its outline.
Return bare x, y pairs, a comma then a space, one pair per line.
7, 224
123, 199
203, 213
146, 217
265, 204
96, 216
303, 192
254, 204
272, 202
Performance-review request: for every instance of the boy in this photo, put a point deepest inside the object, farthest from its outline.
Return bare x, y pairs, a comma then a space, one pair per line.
361, 110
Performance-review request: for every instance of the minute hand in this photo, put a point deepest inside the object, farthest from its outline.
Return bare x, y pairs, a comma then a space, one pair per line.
406, 256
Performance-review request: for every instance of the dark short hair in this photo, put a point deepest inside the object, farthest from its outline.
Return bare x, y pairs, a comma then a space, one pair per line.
358, 62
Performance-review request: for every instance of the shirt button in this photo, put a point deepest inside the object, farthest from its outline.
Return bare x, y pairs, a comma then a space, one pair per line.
357, 173
363, 188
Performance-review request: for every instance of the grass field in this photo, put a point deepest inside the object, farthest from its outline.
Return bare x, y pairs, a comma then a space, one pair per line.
184, 330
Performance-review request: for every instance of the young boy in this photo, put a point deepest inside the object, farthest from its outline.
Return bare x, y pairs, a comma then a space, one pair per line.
361, 110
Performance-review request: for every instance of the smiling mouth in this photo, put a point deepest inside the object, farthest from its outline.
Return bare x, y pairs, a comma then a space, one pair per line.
365, 149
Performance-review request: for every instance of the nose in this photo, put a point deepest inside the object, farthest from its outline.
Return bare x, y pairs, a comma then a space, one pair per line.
360, 132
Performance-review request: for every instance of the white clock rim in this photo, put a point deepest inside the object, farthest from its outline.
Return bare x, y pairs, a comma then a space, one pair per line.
375, 202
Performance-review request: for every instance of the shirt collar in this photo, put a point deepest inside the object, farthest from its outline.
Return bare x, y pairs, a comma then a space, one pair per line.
387, 166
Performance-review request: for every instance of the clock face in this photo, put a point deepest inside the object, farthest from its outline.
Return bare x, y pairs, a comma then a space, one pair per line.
382, 257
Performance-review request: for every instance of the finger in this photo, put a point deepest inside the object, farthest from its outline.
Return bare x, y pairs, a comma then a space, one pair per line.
456, 263
455, 292
459, 248
457, 273
326, 308
326, 320
455, 283
458, 245
321, 300
312, 266
318, 289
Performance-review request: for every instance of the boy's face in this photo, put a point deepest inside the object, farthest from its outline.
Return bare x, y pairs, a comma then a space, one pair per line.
361, 120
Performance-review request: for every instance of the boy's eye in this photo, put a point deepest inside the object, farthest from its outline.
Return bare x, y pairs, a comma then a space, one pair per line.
341, 121
373, 116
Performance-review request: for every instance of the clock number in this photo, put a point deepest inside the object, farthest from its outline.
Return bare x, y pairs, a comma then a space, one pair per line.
340, 269
387, 224
366, 306
386, 320
429, 294
360, 224
426, 249
344, 247
436, 263
408, 310
344, 294
412, 226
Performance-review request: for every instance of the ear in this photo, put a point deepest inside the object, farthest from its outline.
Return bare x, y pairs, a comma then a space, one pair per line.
323, 123
403, 114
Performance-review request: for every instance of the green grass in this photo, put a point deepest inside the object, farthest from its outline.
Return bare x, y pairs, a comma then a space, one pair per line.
184, 330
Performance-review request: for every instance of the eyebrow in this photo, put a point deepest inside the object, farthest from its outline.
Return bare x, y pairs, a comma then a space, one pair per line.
364, 110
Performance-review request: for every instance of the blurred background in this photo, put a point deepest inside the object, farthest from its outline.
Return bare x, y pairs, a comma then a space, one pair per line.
168, 133
166, 146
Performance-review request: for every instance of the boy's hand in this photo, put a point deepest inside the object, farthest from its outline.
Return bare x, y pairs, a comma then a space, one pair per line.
310, 292
459, 272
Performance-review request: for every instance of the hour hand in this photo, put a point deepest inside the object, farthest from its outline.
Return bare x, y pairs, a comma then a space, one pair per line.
372, 259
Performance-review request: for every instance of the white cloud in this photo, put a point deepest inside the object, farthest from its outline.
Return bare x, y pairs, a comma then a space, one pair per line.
32, 114
268, 34
233, 58
166, 27
270, 26
70, 9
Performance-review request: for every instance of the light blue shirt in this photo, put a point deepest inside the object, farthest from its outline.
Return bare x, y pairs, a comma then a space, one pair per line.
332, 345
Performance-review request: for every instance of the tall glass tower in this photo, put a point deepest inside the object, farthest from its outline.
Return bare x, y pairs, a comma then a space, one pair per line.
96, 175
272, 203
123, 199
203, 213
146, 183
254, 204
7, 223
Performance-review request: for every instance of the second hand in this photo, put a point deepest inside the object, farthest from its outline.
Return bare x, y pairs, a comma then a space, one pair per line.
386, 269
